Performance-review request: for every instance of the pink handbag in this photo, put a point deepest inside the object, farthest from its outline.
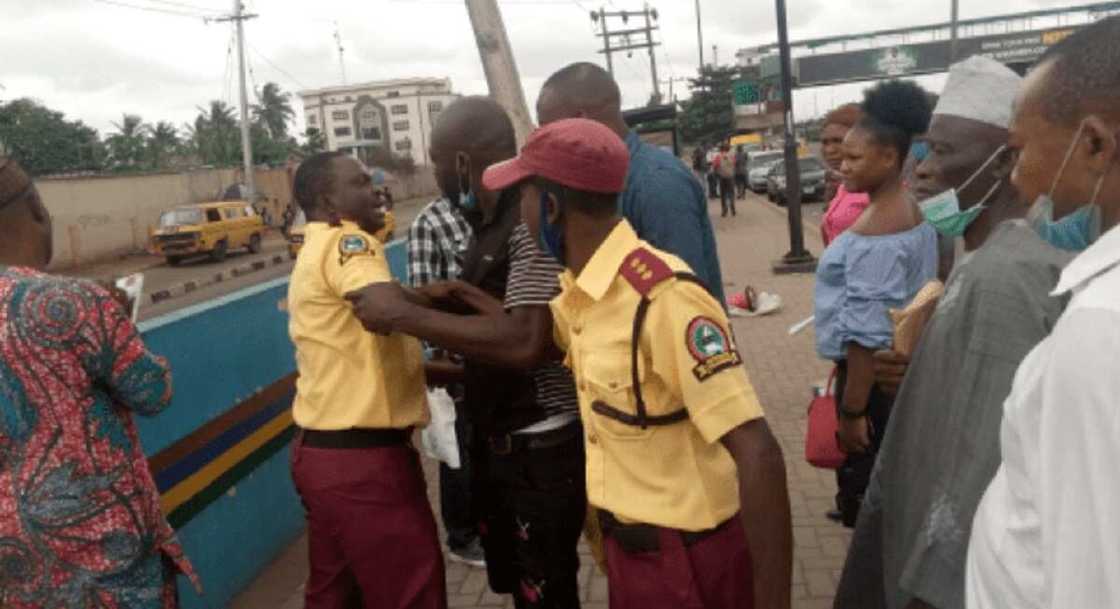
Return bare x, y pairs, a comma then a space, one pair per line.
821, 447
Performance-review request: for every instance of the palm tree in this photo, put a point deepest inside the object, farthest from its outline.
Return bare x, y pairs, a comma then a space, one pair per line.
126, 146
163, 141
274, 111
214, 135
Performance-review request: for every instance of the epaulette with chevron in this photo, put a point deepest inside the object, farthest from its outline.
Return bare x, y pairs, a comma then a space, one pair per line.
643, 270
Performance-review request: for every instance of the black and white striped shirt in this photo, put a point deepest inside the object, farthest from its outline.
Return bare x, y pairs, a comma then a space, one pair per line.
534, 280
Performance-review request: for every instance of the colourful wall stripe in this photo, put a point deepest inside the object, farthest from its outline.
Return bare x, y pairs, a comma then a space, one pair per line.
197, 469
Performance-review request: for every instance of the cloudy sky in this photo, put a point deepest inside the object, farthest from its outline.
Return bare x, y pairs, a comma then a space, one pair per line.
97, 59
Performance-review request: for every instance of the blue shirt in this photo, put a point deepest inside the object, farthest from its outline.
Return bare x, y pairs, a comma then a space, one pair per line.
860, 277
667, 208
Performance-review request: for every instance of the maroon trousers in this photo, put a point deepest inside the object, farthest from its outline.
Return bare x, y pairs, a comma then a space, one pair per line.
372, 537
714, 573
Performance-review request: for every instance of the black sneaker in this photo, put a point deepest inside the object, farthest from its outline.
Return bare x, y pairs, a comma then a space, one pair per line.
470, 555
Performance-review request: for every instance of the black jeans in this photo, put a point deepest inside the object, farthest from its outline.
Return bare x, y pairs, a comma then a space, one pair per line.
535, 504
727, 195
455, 490
713, 185
853, 477
741, 185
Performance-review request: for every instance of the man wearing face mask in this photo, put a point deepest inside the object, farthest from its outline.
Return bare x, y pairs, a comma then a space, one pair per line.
942, 443
1045, 532
528, 443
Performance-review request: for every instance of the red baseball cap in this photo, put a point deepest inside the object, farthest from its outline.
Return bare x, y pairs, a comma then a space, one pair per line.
578, 153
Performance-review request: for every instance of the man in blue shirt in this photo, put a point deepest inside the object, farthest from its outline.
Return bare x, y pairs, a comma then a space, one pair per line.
662, 200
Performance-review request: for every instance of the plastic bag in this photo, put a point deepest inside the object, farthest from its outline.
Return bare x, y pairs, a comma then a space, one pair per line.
438, 439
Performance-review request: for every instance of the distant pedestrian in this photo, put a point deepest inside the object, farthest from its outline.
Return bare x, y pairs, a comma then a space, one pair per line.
725, 168
741, 162
713, 175
661, 200
80, 517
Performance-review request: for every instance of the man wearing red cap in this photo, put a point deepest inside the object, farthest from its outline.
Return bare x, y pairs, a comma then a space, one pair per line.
672, 425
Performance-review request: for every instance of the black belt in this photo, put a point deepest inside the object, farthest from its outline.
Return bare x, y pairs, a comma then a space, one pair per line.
509, 443
356, 438
643, 538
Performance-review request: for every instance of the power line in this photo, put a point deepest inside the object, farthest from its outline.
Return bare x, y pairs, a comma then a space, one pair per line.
183, 5
278, 68
152, 9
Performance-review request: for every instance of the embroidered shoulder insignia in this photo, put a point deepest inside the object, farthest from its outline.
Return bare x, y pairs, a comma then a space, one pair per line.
643, 270
711, 347
352, 245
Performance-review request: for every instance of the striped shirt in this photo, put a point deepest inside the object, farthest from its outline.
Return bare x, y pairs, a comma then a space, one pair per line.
534, 280
437, 241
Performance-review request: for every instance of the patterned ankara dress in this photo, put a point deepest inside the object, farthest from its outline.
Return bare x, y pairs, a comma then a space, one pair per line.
80, 519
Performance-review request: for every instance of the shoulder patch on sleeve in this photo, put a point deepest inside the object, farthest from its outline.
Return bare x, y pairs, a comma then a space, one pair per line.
351, 245
711, 346
644, 270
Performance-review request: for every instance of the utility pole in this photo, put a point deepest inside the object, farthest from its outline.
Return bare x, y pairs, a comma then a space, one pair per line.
798, 260
239, 18
715, 55
498, 63
650, 14
670, 81
699, 35
954, 12
341, 60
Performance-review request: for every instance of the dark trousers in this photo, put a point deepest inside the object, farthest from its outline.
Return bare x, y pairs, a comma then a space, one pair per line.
741, 185
713, 573
372, 539
455, 504
853, 477
533, 508
727, 195
713, 185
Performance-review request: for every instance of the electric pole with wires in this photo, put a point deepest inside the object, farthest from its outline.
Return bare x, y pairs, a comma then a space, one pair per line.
623, 37
239, 17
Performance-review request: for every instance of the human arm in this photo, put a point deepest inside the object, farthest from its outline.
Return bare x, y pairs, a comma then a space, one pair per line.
442, 372
890, 369
765, 510
854, 430
135, 377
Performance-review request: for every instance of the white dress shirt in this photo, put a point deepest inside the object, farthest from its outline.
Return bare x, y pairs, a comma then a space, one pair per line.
1047, 533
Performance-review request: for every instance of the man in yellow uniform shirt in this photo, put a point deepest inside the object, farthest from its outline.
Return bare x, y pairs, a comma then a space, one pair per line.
372, 536
689, 481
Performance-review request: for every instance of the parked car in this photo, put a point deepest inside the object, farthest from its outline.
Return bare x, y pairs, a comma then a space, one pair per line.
813, 173
207, 228
758, 168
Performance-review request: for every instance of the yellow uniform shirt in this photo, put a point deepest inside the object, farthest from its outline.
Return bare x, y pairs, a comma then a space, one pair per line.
348, 377
386, 231
676, 475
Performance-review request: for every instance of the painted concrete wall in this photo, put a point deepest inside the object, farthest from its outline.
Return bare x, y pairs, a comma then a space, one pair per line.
224, 354
100, 218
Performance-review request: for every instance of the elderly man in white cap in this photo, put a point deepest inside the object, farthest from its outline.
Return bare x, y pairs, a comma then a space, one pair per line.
942, 446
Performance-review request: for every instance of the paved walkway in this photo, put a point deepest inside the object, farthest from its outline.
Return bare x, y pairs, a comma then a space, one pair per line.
782, 369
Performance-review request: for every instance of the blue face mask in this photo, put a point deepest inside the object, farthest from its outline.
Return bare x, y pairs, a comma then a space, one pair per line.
943, 211
468, 201
1076, 231
552, 235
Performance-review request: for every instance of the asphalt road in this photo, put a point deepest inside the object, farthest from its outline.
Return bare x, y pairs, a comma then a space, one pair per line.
158, 275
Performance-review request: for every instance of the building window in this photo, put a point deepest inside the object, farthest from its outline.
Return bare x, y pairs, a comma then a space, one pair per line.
312, 119
404, 145
393, 94
399, 109
342, 132
435, 106
349, 99
368, 114
400, 126
340, 115
371, 133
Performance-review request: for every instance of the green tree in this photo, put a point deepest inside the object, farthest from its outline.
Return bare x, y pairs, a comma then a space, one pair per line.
274, 111
127, 145
710, 114
215, 136
316, 142
44, 142
163, 143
